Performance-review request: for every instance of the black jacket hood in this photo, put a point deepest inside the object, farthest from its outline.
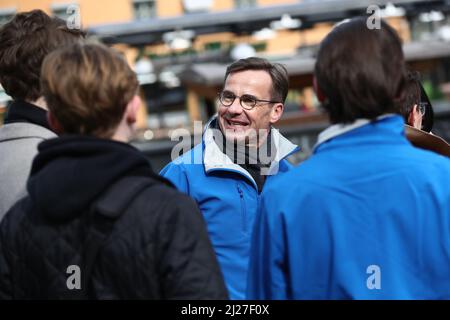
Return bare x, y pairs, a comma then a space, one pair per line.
71, 171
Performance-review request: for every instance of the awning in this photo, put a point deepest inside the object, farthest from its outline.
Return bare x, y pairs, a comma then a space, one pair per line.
246, 20
212, 74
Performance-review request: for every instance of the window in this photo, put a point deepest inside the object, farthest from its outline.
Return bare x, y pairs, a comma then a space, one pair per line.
64, 10
433, 25
144, 9
193, 6
241, 4
6, 15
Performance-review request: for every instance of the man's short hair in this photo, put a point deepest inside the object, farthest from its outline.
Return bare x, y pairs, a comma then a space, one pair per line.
24, 43
277, 72
360, 71
87, 88
411, 93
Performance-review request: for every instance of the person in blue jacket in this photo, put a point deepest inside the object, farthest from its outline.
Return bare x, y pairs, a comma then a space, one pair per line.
239, 152
367, 216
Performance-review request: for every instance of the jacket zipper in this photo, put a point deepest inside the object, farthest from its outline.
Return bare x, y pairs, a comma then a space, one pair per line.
243, 211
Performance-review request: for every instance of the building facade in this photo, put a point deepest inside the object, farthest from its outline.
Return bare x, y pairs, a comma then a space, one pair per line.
180, 48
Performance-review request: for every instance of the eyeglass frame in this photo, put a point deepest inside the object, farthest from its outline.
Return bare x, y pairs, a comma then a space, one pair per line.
422, 106
240, 100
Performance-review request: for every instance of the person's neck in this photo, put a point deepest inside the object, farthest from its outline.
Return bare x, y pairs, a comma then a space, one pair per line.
40, 102
124, 133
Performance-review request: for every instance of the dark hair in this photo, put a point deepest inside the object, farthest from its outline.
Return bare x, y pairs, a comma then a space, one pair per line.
277, 72
24, 43
428, 118
92, 96
360, 71
411, 94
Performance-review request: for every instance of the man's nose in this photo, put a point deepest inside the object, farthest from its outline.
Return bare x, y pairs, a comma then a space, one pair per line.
235, 107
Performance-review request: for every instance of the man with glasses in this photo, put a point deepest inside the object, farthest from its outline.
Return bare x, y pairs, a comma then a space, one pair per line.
418, 115
240, 150
413, 109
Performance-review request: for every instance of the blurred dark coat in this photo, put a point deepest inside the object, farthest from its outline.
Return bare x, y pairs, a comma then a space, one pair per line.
156, 245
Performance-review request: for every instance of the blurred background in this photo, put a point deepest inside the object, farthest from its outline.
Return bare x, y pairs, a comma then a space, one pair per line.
181, 48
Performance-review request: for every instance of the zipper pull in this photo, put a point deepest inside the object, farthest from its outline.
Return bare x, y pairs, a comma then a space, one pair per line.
240, 191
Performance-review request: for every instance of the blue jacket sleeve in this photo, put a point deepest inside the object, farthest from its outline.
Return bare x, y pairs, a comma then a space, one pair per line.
177, 175
267, 269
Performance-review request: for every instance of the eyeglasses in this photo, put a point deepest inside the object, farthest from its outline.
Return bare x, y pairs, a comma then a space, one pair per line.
247, 101
422, 107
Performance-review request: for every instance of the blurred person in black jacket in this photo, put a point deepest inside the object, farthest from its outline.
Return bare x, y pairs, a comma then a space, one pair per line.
98, 223
419, 117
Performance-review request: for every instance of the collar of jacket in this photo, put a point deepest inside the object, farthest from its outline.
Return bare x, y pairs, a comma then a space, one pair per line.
339, 129
214, 159
21, 111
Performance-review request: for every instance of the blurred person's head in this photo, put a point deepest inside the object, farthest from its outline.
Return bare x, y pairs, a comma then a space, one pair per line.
412, 109
90, 90
360, 72
24, 43
252, 99
428, 118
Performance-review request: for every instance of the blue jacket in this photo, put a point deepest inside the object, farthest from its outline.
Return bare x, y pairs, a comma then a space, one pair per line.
366, 217
228, 198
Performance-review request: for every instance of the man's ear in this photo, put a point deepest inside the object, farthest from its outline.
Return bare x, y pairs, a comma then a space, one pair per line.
320, 96
411, 117
414, 116
54, 123
132, 109
276, 112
